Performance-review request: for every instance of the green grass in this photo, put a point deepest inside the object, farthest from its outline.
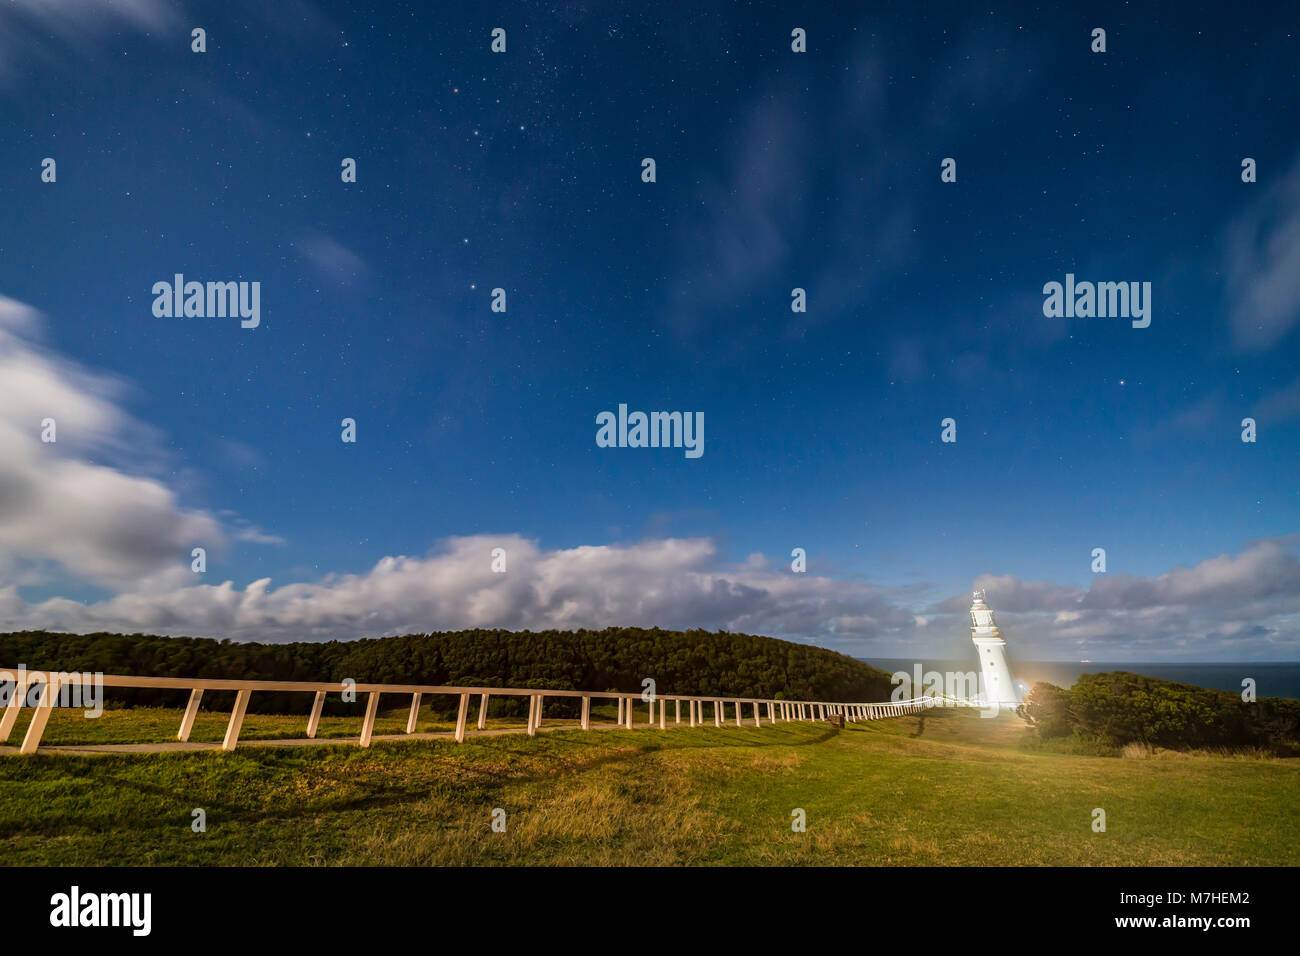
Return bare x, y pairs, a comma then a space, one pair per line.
948, 789
159, 725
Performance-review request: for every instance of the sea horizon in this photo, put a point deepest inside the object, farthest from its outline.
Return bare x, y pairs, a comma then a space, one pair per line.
1272, 678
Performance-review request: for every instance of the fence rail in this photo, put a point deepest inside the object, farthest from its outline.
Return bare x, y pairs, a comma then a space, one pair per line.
773, 710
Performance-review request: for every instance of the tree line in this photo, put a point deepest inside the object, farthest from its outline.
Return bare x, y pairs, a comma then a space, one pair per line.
694, 662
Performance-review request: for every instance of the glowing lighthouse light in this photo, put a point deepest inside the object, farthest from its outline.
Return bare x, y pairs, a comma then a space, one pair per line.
999, 688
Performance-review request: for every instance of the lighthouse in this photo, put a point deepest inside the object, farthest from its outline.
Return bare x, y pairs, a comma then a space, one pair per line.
999, 691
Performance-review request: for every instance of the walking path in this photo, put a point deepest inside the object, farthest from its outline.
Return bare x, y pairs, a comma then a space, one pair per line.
175, 746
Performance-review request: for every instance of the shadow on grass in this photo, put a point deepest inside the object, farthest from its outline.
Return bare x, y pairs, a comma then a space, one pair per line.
476, 772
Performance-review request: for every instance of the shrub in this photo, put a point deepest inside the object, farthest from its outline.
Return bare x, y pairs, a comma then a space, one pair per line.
1149, 712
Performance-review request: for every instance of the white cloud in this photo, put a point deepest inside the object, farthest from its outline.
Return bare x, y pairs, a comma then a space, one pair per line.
331, 258
79, 17
1229, 607
1263, 265
66, 503
255, 535
36, 35
672, 582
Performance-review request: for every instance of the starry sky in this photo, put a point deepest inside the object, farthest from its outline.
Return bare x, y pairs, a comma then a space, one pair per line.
774, 170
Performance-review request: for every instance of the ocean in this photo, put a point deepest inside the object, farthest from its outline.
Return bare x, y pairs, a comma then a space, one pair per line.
1280, 679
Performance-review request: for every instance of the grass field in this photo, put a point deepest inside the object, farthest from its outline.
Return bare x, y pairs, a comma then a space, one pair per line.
945, 789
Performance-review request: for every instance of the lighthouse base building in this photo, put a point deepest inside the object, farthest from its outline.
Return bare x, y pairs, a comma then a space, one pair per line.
998, 690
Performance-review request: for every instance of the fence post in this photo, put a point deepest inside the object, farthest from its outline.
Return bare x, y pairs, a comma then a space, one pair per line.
314, 720
586, 713
757, 722
627, 713
236, 720
482, 711
532, 715
677, 710
368, 722
662, 714
717, 713
414, 714
738, 713
461, 713
40, 717
11, 710
191, 711
690, 707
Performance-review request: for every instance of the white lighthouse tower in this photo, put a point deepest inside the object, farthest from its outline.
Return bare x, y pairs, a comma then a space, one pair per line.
998, 689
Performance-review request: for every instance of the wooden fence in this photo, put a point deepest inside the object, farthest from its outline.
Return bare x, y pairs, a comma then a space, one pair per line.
759, 709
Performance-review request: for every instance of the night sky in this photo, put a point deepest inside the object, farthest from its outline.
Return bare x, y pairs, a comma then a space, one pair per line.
774, 170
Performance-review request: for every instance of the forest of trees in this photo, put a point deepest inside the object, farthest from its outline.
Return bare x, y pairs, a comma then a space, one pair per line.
1123, 708
613, 659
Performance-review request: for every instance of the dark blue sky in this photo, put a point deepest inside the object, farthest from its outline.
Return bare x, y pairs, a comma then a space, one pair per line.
775, 170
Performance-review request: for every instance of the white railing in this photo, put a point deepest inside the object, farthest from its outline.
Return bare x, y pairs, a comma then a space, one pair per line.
51, 683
